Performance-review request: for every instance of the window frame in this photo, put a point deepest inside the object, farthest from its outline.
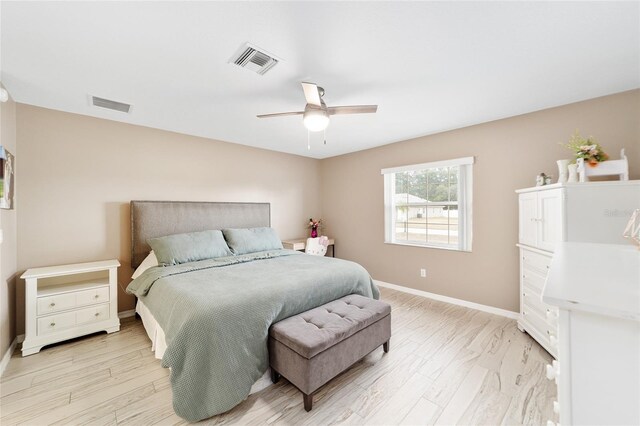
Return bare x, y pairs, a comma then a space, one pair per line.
464, 203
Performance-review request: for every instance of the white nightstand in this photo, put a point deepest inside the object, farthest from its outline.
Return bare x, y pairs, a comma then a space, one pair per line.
301, 243
67, 301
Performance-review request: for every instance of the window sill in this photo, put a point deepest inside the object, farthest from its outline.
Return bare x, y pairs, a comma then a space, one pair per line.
428, 246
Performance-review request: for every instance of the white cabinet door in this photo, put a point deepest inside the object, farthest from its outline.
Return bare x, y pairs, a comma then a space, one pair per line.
528, 203
550, 219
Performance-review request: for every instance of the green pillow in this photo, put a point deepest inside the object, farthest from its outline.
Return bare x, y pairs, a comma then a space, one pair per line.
183, 248
251, 240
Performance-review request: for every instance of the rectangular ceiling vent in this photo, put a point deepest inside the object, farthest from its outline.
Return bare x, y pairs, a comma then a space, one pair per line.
109, 104
254, 59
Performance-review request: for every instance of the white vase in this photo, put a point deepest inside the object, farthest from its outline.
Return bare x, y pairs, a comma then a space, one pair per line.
562, 170
573, 173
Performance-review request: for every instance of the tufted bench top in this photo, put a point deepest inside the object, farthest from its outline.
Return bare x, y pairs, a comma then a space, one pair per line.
313, 331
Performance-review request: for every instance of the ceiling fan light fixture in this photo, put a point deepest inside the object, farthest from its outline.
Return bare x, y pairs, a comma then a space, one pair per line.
315, 120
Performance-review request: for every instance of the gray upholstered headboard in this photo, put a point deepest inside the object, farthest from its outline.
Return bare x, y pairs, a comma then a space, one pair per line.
151, 219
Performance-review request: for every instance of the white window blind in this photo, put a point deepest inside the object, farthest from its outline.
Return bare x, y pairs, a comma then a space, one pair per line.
430, 204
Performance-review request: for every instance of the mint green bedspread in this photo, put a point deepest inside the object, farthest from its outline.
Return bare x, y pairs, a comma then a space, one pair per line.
216, 316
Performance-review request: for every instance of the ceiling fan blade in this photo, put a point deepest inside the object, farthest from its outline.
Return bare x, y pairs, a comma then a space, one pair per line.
352, 109
280, 114
311, 93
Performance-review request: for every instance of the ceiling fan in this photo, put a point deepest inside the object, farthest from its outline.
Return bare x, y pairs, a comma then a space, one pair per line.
316, 113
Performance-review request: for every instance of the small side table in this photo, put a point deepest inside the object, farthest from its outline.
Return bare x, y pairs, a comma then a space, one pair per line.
67, 301
300, 244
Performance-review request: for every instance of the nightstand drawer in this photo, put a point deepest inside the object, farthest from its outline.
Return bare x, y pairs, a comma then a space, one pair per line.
54, 323
93, 314
93, 296
56, 303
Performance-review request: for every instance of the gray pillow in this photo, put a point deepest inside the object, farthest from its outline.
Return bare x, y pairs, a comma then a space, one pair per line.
182, 248
251, 240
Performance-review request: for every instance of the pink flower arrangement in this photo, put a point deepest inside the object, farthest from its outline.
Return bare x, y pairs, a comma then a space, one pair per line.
315, 225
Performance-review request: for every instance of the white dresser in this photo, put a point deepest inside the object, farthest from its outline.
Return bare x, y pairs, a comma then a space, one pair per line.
67, 301
597, 290
581, 212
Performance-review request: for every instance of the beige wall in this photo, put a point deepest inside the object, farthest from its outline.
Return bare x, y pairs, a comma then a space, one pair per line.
78, 174
509, 154
8, 266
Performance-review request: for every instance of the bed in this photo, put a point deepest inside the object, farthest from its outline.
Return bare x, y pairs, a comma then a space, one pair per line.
209, 319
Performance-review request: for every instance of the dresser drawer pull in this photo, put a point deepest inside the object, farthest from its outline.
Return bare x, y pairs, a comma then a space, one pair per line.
52, 304
53, 324
97, 314
97, 296
553, 371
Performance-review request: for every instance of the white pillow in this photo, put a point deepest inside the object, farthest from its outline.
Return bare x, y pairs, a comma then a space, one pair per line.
150, 261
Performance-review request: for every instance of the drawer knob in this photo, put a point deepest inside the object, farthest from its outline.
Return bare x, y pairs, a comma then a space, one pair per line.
53, 324
97, 296
553, 371
52, 304
97, 314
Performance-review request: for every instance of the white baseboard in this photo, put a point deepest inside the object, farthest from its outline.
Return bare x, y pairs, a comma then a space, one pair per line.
8, 354
452, 300
126, 314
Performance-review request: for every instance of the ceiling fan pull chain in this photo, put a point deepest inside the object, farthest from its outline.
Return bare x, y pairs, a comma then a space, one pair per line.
309, 140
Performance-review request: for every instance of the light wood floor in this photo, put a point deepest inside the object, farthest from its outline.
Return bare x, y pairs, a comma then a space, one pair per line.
447, 365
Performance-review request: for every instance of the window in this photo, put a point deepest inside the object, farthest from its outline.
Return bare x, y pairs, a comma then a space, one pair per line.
429, 204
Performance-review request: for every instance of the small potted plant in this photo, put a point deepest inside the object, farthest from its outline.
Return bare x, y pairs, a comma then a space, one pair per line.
315, 225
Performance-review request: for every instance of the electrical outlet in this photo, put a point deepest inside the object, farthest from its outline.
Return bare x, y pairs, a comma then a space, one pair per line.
423, 273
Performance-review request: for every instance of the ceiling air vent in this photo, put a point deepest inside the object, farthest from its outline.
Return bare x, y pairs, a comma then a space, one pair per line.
255, 59
109, 104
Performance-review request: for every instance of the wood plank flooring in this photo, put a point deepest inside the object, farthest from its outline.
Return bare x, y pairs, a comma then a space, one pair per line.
447, 365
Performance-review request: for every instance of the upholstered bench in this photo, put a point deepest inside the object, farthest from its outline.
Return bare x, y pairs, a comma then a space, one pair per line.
311, 348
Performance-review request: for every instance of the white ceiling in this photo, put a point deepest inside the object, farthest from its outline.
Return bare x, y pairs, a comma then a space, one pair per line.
430, 66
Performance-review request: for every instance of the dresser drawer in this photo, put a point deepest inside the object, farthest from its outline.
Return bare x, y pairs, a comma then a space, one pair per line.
93, 314
533, 303
535, 262
539, 322
93, 296
59, 302
54, 323
533, 280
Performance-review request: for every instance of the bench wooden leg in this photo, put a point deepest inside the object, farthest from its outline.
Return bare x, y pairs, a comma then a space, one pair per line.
275, 376
308, 401
385, 346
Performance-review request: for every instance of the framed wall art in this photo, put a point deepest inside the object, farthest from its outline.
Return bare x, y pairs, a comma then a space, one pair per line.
7, 166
